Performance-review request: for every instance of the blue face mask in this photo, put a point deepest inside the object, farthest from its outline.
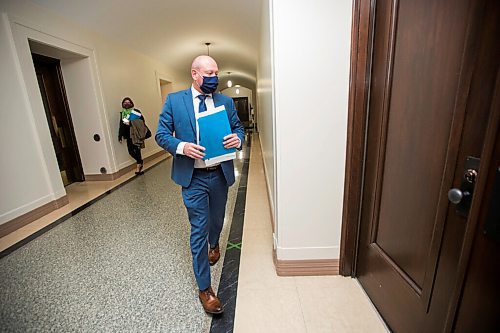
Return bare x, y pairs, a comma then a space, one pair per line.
209, 84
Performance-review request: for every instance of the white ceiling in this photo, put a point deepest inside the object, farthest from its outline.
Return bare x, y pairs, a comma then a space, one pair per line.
175, 31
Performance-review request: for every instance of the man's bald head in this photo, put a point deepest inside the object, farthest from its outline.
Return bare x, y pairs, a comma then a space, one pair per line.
203, 61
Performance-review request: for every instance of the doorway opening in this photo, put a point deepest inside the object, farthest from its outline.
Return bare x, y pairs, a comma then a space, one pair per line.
51, 85
241, 104
243, 101
165, 89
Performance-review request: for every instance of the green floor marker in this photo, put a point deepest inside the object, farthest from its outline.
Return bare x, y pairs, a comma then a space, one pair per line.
231, 246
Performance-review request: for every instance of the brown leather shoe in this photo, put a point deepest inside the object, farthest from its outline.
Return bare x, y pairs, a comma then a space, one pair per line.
213, 255
210, 302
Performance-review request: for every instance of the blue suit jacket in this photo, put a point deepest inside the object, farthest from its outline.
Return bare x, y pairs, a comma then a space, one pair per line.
177, 124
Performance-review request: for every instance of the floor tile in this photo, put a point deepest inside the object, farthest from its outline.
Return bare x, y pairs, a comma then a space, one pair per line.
336, 304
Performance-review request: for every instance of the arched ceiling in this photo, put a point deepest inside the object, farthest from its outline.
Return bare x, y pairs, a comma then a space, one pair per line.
175, 31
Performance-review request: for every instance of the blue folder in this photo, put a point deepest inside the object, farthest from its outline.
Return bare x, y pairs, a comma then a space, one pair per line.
213, 128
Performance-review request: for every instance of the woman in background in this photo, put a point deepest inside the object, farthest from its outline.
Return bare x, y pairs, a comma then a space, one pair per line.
127, 114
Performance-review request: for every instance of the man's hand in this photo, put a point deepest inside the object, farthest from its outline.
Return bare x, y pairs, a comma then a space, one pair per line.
231, 141
193, 151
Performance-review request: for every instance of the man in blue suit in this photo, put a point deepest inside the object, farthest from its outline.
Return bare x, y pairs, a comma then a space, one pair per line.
204, 189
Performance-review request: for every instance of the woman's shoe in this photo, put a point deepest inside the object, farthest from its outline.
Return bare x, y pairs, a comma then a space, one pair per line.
140, 172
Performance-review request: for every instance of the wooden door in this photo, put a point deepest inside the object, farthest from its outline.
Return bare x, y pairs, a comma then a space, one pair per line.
50, 82
433, 71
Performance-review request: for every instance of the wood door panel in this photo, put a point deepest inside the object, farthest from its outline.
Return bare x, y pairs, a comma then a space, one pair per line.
433, 66
421, 72
416, 108
420, 111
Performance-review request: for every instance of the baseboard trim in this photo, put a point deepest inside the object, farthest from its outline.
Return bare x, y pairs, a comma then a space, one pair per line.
121, 172
20, 221
306, 267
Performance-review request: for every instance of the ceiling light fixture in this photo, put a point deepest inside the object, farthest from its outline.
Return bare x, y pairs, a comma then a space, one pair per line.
208, 48
229, 83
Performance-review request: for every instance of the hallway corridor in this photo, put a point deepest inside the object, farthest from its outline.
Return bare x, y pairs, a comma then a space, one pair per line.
122, 264
366, 195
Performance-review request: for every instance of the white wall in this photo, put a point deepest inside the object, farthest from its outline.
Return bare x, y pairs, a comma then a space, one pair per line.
87, 116
29, 171
21, 151
265, 109
311, 46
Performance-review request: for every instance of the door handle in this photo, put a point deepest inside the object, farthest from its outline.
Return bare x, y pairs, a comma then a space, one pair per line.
462, 196
455, 195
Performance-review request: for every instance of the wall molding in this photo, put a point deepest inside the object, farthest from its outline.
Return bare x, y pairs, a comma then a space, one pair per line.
20, 221
306, 267
121, 172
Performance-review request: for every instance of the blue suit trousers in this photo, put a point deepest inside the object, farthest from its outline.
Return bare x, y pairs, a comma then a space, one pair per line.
205, 200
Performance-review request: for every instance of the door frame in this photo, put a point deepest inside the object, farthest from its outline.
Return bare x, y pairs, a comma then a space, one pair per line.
359, 89
359, 78
62, 91
486, 166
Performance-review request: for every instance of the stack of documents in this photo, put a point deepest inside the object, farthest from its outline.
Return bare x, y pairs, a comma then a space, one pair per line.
213, 126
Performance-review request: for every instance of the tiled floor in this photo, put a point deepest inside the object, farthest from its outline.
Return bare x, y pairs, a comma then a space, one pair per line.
134, 296
123, 264
268, 303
